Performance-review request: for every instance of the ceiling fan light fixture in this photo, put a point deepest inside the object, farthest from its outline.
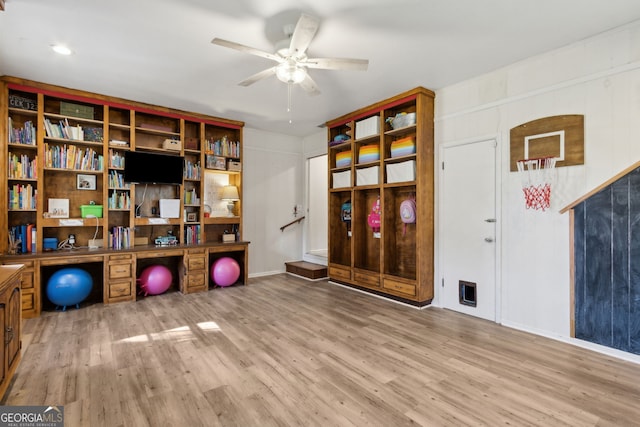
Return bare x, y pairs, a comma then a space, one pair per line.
290, 72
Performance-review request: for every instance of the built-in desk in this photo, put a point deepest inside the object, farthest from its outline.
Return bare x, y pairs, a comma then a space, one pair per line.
116, 270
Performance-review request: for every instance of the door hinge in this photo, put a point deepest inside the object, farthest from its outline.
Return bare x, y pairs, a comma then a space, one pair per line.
442, 165
443, 282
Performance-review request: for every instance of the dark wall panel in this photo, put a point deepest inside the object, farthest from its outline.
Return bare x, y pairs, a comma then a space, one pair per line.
607, 265
597, 319
620, 267
633, 298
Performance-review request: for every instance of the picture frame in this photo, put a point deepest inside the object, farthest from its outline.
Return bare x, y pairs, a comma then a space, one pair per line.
86, 182
192, 217
215, 162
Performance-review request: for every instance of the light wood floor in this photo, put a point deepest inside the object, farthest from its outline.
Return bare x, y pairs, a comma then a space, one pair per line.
288, 352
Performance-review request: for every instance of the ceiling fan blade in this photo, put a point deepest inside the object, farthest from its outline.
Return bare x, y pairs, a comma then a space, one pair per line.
246, 49
337, 63
310, 86
258, 76
303, 34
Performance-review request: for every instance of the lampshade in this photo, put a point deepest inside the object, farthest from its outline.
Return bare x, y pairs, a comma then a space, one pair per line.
290, 72
230, 192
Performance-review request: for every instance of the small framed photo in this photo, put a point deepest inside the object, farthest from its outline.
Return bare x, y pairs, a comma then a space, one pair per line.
215, 162
86, 182
192, 217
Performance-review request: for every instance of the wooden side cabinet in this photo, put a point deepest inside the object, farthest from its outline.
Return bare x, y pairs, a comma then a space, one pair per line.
10, 320
193, 277
120, 270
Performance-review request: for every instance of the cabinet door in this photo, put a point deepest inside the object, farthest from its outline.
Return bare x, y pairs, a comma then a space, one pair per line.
13, 325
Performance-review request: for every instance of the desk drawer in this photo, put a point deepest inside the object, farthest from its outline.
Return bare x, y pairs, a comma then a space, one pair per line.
120, 289
196, 263
26, 280
196, 280
28, 300
119, 271
120, 257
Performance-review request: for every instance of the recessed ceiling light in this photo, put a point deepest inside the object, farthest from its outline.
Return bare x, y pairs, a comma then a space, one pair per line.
61, 49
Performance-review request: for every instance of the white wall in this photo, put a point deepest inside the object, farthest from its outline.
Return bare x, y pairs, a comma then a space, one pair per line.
273, 184
598, 77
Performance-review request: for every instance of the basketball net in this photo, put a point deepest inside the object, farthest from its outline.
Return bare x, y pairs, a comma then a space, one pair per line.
537, 176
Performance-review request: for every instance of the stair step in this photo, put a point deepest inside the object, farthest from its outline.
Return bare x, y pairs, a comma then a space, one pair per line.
307, 269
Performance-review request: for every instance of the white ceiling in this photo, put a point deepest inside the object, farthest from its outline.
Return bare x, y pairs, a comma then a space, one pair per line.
159, 51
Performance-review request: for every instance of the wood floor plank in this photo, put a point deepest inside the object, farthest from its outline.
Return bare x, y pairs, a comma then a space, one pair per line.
288, 352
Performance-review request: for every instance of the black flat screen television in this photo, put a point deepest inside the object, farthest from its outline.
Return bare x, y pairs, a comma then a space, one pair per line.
152, 168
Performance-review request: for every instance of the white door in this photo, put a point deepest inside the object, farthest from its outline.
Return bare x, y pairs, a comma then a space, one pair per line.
468, 229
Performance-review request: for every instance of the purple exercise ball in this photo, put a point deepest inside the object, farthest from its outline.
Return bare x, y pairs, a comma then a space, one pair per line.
225, 271
155, 279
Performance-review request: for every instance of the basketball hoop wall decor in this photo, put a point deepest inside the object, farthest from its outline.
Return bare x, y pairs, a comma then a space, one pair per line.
560, 137
538, 147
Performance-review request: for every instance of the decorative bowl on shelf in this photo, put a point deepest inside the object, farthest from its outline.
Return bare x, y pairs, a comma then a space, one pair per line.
402, 120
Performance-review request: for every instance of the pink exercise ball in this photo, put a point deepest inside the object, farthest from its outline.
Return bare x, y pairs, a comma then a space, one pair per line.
155, 280
225, 271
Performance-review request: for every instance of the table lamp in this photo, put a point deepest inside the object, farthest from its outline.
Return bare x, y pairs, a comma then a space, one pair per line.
230, 194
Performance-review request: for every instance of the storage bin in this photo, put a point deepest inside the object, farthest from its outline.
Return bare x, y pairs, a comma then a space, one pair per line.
368, 127
172, 144
343, 159
369, 153
403, 147
401, 172
367, 176
93, 210
341, 179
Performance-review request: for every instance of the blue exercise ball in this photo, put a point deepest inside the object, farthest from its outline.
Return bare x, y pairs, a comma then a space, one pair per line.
69, 286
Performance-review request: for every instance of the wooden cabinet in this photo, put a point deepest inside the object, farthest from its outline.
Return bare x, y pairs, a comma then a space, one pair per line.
120, 274
194, 271
10, 323
379, 157
66, 148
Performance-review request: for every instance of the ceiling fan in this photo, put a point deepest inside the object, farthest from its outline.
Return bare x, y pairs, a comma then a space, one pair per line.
292, 58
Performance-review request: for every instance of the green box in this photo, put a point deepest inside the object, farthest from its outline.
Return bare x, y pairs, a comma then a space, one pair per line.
94, 210
76, 110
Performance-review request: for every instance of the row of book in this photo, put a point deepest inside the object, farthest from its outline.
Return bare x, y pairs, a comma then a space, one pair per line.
71, 157
223, 147
22, 238
22, 196
192, 235
192, 170
116, 180
23, 167
116, 159
63, 130
24, 135
119, 200
120, 237
191, 197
